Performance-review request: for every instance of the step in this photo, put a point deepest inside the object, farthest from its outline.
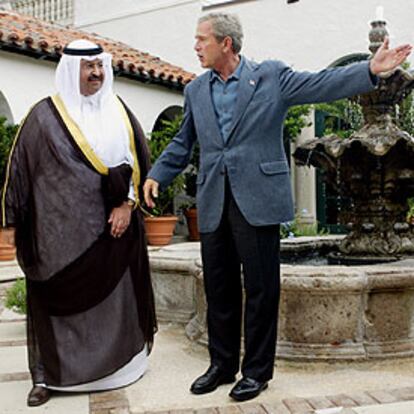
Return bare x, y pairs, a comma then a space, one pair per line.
13, 359
12, 333
9, 271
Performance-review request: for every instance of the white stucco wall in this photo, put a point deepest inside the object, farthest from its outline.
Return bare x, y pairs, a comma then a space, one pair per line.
87, 12
24, 81
308, 34
147, 101
164, 28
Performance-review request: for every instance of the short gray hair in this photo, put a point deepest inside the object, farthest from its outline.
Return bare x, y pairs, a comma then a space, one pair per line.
225, 25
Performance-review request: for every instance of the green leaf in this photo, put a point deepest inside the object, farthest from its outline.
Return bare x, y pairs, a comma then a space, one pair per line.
16, 297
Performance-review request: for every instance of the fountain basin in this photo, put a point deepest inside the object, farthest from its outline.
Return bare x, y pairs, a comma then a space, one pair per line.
326, 312
346, 312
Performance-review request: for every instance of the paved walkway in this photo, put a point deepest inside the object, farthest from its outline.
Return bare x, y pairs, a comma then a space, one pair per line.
385, 387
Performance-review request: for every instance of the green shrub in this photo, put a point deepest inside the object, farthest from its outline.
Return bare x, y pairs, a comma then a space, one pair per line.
7, 133
158, 142
410, 212
296, 229
190, 178
296, 119
343, 117
16, 297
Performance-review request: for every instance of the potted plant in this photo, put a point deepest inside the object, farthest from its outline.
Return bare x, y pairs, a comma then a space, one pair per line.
160, 223
7, 134
189, 208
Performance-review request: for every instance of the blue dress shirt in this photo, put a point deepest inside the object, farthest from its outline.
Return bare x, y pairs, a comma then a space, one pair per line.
224, 95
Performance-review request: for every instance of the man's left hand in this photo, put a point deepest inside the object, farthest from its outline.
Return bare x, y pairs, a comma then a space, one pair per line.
386, 59
119, 219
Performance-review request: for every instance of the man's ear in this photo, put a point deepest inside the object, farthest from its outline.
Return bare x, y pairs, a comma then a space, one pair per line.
228, 43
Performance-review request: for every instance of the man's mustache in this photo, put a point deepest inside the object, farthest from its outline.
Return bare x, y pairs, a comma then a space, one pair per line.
95, 78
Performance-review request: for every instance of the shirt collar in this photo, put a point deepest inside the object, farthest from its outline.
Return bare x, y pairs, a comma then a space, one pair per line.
234, 76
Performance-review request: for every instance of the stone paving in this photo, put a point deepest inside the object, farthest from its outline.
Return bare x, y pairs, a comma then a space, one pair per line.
15, 383
396, 401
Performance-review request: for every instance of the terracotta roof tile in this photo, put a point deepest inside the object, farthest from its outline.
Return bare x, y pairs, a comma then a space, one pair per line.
34, 37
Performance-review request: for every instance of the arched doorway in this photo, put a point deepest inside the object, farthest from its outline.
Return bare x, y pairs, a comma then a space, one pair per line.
349, 59
7, 133
168, 114
5, 110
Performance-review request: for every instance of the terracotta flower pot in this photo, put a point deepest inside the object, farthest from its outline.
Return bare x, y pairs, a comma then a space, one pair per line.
160, 230
7, 249
191, 217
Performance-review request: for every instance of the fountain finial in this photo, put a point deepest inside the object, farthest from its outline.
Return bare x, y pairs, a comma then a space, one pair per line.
378, 31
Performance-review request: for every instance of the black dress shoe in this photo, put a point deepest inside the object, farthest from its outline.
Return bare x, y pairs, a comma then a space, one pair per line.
247, 388
209, 381
38, 396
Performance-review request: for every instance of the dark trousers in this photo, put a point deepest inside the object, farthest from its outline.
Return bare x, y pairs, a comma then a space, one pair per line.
236, 243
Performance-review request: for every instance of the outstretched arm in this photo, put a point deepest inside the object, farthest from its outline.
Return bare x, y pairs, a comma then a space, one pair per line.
337, 83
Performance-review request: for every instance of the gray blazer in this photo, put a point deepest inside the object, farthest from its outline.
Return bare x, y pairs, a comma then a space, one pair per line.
253, 155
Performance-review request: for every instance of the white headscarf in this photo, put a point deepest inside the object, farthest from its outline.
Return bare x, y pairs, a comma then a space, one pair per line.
98, 115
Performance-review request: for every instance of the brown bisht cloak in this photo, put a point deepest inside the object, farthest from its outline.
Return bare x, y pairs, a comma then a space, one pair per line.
90, 299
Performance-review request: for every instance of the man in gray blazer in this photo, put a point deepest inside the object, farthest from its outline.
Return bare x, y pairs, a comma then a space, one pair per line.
236, 111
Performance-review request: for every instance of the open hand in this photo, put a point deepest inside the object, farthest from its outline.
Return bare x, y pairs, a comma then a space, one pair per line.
386, 59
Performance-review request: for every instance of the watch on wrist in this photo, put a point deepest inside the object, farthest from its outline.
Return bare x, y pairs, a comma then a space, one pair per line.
131, 203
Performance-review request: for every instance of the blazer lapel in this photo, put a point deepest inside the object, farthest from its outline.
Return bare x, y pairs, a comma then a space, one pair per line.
247, 86
207, 110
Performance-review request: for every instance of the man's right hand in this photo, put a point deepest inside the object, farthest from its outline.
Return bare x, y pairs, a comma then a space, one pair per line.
150, 192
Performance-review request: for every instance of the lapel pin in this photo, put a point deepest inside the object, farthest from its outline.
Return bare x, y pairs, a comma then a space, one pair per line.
252, 82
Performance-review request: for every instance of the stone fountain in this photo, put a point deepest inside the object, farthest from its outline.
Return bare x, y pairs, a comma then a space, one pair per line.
373, 168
